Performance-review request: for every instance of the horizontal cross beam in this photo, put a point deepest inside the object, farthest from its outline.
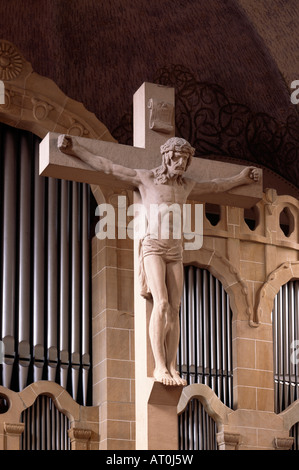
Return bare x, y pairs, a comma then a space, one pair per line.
54, 163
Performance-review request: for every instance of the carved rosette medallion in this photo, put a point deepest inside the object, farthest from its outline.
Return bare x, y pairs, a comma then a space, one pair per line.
11, 62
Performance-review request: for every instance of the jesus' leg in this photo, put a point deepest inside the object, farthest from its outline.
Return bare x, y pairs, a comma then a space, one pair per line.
174, 281
155, 272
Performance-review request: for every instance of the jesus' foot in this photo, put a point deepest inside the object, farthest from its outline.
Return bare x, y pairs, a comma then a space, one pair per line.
177, 378
164, 377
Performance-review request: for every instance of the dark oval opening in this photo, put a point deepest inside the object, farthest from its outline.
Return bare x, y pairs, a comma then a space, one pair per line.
4, 404
213, 213
252, 217
286, 222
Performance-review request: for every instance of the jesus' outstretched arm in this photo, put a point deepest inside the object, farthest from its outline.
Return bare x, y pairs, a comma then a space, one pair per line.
247, 176
69, 146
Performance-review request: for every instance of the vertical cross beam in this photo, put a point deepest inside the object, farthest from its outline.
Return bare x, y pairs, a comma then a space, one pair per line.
156, 404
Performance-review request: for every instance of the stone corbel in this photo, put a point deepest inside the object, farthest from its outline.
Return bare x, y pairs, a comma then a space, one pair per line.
13, 432
227, 440
283, 443
14, 428
79, 438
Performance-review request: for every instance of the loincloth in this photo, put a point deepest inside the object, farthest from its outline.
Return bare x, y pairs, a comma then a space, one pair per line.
169, 250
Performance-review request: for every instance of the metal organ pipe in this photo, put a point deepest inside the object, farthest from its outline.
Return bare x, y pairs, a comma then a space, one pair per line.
24, 262
45, 427
75, 300
52, 279
190, 325
206, 329
199, 329
38, 271
218, 329
285, 337
45, 297
9, 255
85, 292
205, 352
64, 283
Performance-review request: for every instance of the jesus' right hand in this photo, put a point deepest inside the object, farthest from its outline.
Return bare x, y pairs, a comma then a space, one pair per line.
65, 144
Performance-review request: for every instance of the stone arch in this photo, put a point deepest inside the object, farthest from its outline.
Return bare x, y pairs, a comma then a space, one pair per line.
211, 403
20, 401
280, 276
36, 104
290, 415
230, 278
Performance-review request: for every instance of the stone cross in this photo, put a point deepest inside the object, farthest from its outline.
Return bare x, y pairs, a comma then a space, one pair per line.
123, 166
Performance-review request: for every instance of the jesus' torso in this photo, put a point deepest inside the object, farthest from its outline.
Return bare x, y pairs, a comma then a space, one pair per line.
163, 204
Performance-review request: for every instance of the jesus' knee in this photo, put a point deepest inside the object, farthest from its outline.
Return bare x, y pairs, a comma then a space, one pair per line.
172, 317
161, 307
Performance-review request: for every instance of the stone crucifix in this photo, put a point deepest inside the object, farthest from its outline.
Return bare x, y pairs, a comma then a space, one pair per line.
167, 183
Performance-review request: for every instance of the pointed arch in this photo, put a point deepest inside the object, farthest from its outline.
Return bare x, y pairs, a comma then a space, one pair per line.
280, 276
230, 278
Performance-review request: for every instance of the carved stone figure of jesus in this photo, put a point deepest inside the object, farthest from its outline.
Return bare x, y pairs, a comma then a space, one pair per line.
161, 259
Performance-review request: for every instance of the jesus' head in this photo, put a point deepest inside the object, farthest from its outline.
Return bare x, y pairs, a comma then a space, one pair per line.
176, 158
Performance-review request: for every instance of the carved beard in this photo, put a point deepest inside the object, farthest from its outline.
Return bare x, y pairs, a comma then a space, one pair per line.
161, 175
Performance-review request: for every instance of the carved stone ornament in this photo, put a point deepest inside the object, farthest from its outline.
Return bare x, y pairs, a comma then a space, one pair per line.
79, 434
35, 103
283, 443
228, 440
161, 116
14, 428
11, 62
41, 109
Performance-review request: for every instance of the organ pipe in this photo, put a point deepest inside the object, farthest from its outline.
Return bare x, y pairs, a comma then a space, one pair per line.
9, 255
85, 293
285, 337
52, 279
75, 300
45, 272
24, 263
38, 270
206, 340
46, 428
64, 283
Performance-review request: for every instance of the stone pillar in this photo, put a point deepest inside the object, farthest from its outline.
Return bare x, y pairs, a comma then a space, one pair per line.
156, 404
113, 339
253, 366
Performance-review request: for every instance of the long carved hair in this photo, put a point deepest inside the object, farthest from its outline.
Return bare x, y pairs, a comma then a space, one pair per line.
161, 173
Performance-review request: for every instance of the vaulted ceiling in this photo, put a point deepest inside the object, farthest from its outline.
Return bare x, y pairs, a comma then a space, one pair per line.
231, 62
